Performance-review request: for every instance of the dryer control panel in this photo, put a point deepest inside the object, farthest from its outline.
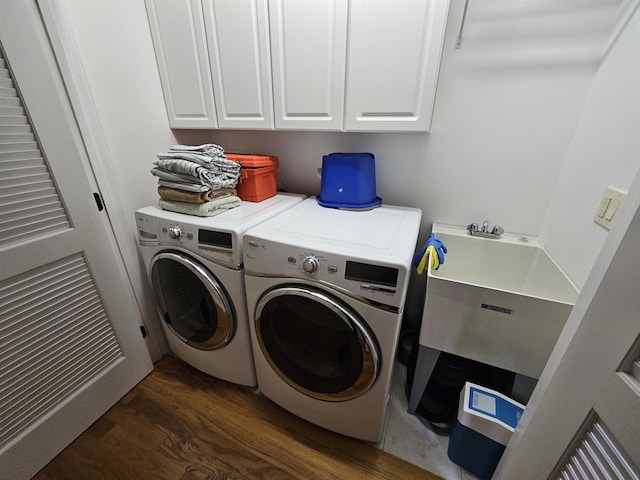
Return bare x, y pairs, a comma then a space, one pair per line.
217, 246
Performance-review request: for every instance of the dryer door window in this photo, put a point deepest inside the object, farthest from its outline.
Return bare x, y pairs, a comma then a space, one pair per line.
317, 344
191, 301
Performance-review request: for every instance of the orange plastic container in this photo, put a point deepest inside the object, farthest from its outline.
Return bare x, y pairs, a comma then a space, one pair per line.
259, 176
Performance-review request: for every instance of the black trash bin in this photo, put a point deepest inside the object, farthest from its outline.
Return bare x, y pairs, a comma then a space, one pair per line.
439, 402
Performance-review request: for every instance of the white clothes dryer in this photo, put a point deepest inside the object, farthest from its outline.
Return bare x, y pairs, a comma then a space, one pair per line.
325, 293
194, 265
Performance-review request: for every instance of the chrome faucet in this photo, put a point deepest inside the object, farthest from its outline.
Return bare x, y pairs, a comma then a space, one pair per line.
484, 231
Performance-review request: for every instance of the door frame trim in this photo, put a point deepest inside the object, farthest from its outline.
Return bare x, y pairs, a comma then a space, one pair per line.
58, 26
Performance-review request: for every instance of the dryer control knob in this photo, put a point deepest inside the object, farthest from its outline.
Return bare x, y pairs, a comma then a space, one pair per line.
310, 264
175, 232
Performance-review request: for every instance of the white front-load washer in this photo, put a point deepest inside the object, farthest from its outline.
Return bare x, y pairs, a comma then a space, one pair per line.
194, 265
325, 293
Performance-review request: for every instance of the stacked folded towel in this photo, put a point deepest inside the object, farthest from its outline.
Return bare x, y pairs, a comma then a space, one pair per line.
207, 209
176, 195
198, 180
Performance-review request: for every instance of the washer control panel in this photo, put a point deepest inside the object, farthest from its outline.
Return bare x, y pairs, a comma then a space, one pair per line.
373, 280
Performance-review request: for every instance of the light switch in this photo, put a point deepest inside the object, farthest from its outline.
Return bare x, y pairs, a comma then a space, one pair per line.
612, 209
604, 204
608, 207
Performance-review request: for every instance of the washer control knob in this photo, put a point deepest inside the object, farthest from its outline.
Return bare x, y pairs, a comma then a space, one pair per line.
175, 232
310, 264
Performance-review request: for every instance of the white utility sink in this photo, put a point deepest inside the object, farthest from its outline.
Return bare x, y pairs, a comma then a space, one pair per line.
500, 301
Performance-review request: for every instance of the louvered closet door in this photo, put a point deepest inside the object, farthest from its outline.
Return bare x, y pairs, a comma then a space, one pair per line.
70, 345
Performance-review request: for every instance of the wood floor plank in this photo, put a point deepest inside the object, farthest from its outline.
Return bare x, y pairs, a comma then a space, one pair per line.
179, 423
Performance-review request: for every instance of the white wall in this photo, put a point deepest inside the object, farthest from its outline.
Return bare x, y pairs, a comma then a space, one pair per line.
507, 105
506, 108
115, 46
605, 151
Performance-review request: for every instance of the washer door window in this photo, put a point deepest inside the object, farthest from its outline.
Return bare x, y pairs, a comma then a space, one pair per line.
191, 301
315, 343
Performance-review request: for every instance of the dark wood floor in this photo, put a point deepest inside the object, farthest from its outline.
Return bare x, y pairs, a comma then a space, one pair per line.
181, 424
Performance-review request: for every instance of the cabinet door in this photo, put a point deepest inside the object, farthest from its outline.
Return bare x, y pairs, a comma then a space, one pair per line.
308, 44
394, 58
177, 30
238, 41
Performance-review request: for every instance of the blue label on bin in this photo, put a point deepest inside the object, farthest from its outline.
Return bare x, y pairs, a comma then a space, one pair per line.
488, 403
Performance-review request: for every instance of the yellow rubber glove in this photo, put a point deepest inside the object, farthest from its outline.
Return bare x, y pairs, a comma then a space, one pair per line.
433, 254
435, 263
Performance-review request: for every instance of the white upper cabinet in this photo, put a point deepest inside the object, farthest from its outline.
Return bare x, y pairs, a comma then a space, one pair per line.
238, 43
308, 51
178, 32
336, 65
394, 57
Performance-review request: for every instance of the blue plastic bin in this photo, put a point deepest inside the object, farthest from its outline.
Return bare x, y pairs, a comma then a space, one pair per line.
348, 181
486, 419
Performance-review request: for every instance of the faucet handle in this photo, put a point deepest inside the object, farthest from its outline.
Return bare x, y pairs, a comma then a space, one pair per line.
497, 230
472, 228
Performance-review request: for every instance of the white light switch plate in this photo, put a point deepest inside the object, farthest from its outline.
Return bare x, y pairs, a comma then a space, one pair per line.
608, 207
